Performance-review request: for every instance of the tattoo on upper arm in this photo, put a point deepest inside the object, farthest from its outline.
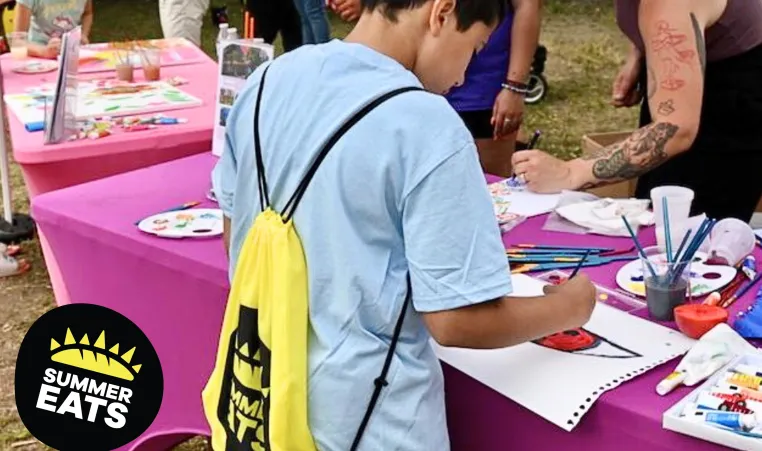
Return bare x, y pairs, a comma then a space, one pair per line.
666, 108
669, 47
636, 155
700, 44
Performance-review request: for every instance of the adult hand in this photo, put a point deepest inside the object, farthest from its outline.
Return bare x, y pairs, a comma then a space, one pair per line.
507, 113
625, 92
542, 172
348, 10
579, 292
53, 48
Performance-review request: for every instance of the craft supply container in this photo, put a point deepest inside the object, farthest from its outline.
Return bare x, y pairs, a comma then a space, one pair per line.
669, 287
17, 41
151, 61
679, 200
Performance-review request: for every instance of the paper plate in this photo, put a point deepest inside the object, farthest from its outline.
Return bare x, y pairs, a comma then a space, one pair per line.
704, 278
36, 67
192, 223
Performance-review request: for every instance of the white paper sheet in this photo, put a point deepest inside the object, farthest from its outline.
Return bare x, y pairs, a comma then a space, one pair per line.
520, 201
561, 386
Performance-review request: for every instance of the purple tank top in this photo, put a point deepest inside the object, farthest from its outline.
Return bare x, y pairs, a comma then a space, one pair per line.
486, 72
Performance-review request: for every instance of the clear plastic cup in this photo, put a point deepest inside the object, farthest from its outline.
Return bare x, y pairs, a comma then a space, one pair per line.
679, 200
731, 240
669, 287
18, 41
151, 62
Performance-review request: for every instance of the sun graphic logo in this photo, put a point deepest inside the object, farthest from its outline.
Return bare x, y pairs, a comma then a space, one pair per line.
69, 386
94, 357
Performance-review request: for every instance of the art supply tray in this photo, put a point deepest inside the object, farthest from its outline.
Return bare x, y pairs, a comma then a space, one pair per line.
616, 299
672, 420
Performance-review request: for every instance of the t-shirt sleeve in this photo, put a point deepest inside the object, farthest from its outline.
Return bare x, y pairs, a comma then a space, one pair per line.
452, 241
224, 175
31, 4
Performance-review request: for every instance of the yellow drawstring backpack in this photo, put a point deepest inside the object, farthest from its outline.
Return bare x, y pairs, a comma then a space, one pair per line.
256, 397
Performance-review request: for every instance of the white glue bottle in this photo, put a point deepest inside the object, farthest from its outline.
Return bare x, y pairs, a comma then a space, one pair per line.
222, 36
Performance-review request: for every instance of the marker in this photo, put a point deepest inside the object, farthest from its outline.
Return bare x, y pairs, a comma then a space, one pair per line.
671, 382
534, 140
139, 127
169, 121
35, 126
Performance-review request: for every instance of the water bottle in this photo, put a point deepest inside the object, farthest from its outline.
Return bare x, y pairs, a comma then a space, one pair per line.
222, 36
233, 34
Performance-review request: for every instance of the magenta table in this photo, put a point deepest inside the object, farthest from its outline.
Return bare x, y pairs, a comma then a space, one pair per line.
175, 291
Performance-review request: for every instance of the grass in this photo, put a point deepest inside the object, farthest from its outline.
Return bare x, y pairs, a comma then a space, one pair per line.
585, 50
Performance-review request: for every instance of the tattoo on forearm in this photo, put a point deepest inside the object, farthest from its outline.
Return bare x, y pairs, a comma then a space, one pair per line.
636, 155
666, 108
670, 48
700, 44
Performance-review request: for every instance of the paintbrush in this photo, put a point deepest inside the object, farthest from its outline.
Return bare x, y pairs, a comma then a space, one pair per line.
185, 206
579, 265
566, 248
741, 291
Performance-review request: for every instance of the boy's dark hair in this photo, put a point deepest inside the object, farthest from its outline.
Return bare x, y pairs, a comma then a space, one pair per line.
468, 12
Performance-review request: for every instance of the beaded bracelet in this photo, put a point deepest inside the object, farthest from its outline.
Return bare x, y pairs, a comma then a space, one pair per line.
516, 89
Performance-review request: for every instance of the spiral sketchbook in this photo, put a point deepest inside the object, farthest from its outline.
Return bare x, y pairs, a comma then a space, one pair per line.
613, 347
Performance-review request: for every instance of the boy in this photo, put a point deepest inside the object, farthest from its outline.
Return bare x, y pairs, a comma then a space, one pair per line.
400, 195
47, 20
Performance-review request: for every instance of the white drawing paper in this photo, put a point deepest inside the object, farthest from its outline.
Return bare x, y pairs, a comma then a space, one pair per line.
237, 61
531, 374
510, 199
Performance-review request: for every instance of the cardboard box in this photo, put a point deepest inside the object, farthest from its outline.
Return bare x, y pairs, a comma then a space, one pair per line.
596, 141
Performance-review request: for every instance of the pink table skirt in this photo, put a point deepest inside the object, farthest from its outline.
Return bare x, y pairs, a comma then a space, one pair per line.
175, 290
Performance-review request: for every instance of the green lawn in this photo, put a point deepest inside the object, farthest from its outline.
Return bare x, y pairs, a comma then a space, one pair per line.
585, 50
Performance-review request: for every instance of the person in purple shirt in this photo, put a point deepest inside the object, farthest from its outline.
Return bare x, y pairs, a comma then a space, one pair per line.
491, 99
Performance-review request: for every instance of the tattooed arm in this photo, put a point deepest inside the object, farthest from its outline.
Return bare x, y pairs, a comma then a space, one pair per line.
676, 60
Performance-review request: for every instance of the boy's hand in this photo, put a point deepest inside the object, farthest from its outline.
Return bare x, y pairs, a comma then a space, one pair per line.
579, 292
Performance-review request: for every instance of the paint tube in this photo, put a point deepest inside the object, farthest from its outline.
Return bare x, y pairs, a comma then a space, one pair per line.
733, 420
744, 380
671, 382
749, 267
748, 369
727, 403
723, 387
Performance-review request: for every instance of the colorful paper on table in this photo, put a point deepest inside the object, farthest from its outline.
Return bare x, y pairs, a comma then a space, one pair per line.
174, 52
704, 278
512, 200
561, 376
95, 99
193, 223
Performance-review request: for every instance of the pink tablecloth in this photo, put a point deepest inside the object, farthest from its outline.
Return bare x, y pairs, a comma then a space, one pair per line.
175, 291
52, 167
47, 168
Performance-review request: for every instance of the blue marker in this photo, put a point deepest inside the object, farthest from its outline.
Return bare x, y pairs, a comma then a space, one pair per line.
35, 126
169, 121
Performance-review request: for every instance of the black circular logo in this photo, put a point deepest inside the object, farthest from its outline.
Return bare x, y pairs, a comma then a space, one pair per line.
87, 378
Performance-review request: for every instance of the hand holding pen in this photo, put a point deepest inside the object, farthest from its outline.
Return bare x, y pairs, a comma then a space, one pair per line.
519, 179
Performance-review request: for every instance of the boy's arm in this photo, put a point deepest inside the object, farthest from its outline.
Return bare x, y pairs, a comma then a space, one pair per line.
458, 269
87, 21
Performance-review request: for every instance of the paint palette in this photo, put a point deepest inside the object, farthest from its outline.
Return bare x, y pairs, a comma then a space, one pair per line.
193, 223
704, 279
619, 301
36, 67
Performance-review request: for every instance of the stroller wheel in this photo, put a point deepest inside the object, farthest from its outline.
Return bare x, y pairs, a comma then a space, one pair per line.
538, 89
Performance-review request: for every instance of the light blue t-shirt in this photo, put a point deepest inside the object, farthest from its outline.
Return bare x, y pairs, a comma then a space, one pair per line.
53, 18
401, 191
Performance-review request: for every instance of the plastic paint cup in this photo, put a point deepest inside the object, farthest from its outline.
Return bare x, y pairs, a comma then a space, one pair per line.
151, 61
663, 293
732, 240
17, 41
679, 200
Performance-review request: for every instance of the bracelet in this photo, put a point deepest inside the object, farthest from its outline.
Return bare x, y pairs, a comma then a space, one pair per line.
517, 84
517, 90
